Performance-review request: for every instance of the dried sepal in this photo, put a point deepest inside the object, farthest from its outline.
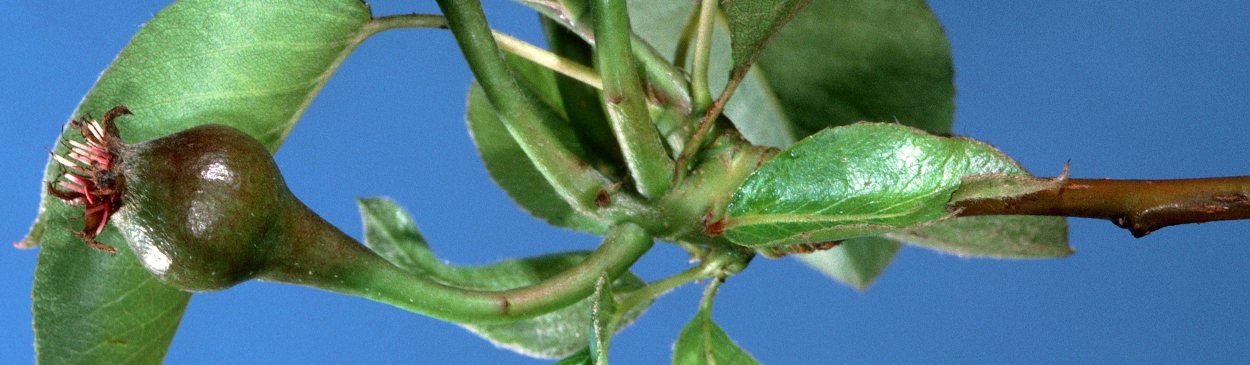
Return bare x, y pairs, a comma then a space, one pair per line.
87, 175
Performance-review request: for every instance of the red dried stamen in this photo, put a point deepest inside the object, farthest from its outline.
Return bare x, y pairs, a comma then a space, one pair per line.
85, 163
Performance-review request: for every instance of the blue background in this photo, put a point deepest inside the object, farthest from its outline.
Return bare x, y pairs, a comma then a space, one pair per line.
1146, 89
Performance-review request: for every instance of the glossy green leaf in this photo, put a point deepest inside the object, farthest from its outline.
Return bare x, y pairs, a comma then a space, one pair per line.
857, 262
859, 180
390, 232
842, 62
820, 51
834, 63
1011, 236
754, 23
507, 163
253, 65
703, 342
864, 59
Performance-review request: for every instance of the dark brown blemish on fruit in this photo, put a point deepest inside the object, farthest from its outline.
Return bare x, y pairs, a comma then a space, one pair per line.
603, 199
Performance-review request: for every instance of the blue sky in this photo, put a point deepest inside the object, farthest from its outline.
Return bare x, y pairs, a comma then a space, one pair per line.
1151, 89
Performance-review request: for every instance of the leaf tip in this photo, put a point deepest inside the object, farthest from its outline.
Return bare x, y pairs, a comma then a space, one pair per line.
35, 236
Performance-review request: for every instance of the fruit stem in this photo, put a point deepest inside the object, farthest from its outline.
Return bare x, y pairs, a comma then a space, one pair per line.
336, 262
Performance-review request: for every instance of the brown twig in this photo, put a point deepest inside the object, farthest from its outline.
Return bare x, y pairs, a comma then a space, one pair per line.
1140, 206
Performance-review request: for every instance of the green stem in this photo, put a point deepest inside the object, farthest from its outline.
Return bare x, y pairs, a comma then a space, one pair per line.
706, 325
340, 264
569, 175
722, 261
704, 195
653, 290
699, 89
625, 101
666, 83
709, 295
705, 125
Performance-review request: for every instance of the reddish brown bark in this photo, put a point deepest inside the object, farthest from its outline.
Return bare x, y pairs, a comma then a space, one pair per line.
1140, 206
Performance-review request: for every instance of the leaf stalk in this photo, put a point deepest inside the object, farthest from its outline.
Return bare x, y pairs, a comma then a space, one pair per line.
506, 43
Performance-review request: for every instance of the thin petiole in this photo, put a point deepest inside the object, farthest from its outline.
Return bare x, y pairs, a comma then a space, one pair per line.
549, 60
666, 83
389, 22
506, 43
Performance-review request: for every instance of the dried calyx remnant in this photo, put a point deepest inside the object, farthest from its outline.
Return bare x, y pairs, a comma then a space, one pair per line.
88, 175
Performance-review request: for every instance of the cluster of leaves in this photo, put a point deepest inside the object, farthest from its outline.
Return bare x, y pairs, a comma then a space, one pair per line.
256, 65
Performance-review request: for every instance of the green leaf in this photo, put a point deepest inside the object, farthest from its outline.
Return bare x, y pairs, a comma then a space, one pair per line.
754, 109
859, 180
702, 342
999, 186
581, 357
997, 236
753, 23
835, 63
603, 308
857, 262
253, 65
92, 308
841, 62
390, 232
507, 163
1009, 236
